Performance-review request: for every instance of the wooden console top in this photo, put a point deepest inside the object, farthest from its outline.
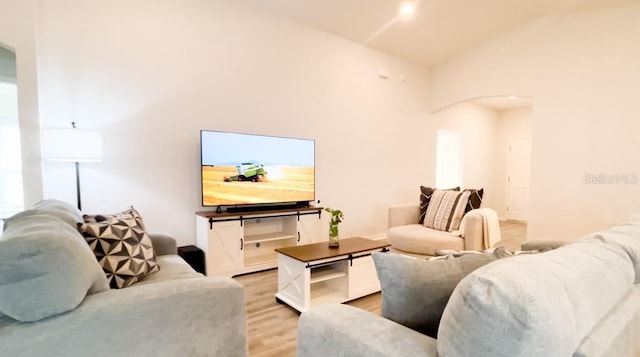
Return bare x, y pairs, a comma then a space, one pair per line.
318, 251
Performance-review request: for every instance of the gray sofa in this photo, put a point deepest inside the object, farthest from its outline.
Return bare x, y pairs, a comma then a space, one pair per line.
54, 300
406, 235
581, 299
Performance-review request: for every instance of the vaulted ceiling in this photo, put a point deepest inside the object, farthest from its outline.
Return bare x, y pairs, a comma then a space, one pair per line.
437, 31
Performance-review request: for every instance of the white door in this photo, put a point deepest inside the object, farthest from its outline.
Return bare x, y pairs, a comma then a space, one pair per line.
518, 168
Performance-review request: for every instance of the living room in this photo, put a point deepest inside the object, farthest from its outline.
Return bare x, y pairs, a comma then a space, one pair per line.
151, 82
150, 75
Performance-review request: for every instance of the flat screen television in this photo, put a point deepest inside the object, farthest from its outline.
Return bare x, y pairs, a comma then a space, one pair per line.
247, 169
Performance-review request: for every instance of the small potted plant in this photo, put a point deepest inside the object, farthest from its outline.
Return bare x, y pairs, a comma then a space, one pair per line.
336, 218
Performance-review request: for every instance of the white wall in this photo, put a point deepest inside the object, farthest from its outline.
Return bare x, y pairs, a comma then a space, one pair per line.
511, 123
582, 71
17, 32
477, 126
150, 74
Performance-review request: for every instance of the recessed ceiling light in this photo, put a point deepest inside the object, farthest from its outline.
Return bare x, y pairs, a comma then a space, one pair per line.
407, 8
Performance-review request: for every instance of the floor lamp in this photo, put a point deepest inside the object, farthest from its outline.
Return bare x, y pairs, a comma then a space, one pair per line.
74, 145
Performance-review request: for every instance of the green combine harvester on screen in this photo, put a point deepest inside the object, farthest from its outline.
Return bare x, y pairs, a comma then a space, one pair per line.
248, 171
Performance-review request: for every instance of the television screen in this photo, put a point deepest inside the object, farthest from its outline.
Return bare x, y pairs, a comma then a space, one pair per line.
239, 169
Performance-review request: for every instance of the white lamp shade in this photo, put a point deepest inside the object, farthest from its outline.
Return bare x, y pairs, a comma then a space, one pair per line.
72, 145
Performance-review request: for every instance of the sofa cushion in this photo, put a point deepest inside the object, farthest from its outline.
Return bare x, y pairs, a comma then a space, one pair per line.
445, 210
172, 267
415, 291
539, 304
425, 198
62, 210
416, 238
57, 208
121, 245
617, 333
46, 268
627, 236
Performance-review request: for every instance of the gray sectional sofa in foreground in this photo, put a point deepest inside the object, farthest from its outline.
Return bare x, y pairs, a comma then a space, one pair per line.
55, 299
581, 299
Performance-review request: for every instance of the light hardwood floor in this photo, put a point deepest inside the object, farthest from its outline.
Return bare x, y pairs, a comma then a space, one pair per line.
272, 326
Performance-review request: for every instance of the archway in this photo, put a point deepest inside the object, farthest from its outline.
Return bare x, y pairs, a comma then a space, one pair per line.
496, 143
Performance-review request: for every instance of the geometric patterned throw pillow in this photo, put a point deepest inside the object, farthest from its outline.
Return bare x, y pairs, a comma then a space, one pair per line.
121, 245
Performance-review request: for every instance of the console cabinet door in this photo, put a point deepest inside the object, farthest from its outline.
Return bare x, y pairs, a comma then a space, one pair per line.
308, 229
225, 253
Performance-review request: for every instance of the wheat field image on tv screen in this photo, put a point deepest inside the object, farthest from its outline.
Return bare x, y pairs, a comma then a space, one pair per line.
248, 169
278, 184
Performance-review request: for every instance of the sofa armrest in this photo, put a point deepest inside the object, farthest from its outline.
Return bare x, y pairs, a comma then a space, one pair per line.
473, 231
187, 317
402, 214
343, 330
163, 244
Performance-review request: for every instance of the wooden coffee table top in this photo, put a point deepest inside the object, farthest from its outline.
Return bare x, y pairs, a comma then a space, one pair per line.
318, 251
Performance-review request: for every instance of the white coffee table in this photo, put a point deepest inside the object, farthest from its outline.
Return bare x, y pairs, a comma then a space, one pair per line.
314, 274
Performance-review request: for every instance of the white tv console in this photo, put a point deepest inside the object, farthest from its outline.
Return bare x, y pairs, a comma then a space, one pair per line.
245, 242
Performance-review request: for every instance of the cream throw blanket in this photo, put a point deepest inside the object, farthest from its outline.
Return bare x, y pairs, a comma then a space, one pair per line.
490, 225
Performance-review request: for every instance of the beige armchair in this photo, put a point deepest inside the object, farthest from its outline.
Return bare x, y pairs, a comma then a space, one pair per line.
408, 236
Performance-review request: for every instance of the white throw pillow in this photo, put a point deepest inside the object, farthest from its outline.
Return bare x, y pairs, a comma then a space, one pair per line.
446, 209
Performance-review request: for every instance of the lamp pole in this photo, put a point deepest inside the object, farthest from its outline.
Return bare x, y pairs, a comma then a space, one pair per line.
78, 185
73, 125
